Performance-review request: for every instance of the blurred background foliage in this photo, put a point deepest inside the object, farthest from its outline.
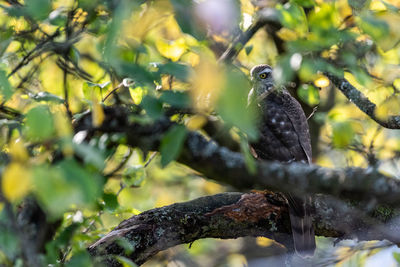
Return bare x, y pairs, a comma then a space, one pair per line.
59, 59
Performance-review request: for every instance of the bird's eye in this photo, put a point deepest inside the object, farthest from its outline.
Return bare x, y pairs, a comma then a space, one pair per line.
263, 75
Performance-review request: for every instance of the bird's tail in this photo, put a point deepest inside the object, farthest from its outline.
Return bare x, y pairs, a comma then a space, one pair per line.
301, 224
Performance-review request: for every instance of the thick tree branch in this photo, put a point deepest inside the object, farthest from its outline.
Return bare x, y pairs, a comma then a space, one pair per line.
229, 215
362, 102
225, 166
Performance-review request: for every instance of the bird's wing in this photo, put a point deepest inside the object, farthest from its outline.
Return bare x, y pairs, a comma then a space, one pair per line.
287, 123
298, 119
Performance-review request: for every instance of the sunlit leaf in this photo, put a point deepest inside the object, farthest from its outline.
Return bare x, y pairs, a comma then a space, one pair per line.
390, 107
309, 94
292, 16
125, 262
343, 134
207, 83
196, 122
172, 50
264, 242
172, 143
18, 151
16, 181
133, 176
137, 94
97, 113
322, 81
324, 17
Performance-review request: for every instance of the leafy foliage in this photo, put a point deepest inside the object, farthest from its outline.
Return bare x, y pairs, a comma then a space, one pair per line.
159, 59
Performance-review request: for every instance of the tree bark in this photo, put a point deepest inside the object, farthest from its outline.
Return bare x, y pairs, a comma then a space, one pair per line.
231, 215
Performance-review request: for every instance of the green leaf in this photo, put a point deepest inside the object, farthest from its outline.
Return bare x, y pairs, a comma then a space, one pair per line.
133, 176
6, 90
139, 74
309, 94
65, 184
152, 106
248, 49
90, 154
176, 98
184, 16
179, 71
88, 88
38, 9
171, 144
80, 259
326, 17
305, 3
48, 97
39, 123
376, 28
248, 157
292, 16
232, 104
111, 201
343, 134
9, 244
54, 247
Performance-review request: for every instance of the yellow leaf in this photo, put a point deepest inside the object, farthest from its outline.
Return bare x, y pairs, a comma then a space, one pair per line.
322, 81
16, 182
264, 242
212, 188
172, 50
97, 112
207, 82
236, 260
62, 123
136, 94
18, 151
377, 6
196, 122
388, 108
287, 34
165, 199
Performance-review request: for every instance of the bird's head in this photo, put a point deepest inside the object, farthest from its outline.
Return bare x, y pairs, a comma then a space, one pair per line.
261, 77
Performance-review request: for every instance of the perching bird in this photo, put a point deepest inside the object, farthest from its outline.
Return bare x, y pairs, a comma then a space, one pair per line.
284, 137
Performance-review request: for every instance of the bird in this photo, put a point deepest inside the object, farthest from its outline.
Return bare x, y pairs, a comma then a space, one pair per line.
284, 137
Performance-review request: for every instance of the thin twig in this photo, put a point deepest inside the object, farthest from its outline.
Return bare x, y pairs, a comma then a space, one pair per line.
313, 112
112, 91
121, 164
150, 159
66, 101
